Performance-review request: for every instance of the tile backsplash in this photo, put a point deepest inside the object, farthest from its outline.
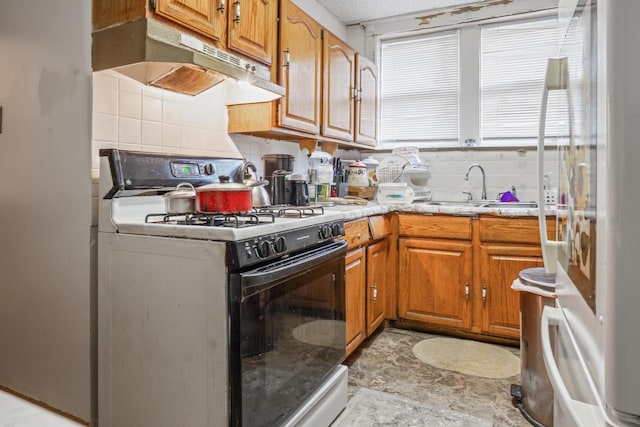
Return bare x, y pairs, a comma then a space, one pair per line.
131, 116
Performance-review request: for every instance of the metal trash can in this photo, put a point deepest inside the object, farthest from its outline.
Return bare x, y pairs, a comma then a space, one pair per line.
534, 397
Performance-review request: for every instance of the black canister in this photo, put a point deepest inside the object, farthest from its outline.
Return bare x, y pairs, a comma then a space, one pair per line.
277, 188
296, 192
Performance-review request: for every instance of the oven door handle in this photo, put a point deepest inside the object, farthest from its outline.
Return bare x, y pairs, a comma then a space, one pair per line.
273, 274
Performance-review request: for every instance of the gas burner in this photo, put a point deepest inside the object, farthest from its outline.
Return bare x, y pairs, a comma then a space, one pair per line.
290, 211
233, 220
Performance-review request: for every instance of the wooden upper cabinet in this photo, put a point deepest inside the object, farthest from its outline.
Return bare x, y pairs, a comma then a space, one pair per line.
366, 122
300, 59
339, 62
252, 28
207, 17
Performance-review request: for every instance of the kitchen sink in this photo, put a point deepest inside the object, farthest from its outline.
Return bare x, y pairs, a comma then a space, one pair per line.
480, 204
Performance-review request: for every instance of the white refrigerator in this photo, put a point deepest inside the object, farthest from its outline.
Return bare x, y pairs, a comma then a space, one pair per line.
591, 339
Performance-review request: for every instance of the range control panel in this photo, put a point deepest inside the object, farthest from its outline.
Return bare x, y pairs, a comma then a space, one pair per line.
271, 246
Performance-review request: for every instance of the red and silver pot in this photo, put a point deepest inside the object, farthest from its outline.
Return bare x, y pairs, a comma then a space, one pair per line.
223, 197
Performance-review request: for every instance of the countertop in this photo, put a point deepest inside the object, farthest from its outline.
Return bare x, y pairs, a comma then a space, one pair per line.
352, 212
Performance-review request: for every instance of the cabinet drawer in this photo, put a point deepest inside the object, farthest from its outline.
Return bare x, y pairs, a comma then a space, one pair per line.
437, 227
514, 230
379, 225
356, 232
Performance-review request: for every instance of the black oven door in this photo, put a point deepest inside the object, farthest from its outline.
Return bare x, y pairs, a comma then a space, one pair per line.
287, 332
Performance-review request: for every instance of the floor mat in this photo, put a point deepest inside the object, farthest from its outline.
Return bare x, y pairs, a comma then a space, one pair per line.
371, 408
468, 357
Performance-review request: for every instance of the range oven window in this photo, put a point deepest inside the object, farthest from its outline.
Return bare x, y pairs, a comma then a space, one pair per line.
287, 334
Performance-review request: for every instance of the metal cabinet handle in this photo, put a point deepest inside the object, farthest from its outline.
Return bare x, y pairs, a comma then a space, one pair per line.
221, 5
484, 292
467, 290
287, 58
374, 294
236, 7
358, 235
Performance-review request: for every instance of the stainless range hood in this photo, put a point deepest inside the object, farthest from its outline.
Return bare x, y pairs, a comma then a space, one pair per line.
158, 55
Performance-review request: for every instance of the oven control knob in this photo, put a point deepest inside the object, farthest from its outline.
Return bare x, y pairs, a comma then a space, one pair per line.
337, 230
209, 169
263, 249
280, 245
325, 231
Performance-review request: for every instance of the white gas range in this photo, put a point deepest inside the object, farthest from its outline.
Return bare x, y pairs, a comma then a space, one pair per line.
211, 320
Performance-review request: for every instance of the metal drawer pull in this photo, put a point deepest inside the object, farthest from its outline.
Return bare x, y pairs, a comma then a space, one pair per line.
221, 6
287, 58
374, 294
467, 290
484, 292
236, 19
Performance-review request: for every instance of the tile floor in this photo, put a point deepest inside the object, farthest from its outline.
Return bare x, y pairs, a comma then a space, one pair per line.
385, 363
17, 412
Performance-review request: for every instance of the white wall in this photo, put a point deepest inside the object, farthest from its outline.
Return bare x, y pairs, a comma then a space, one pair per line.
45, 277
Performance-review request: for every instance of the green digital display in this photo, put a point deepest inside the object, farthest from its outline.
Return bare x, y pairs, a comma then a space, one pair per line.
185, 170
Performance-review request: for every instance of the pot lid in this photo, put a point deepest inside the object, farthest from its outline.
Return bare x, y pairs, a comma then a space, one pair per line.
224, 185
370, 161
184, 190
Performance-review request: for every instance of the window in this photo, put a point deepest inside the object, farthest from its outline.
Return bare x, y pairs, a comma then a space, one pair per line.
513, 64
478, 82
420, 88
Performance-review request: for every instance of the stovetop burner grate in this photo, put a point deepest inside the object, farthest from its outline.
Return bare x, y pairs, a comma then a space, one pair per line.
234, 220
290, 211
258, 216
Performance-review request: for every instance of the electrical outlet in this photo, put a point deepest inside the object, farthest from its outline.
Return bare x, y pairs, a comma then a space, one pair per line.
550, 196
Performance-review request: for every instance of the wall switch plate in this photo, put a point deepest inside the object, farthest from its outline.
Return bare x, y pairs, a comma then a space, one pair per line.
550, 197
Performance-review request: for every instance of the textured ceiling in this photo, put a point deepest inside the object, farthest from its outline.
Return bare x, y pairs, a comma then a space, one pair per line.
355, 11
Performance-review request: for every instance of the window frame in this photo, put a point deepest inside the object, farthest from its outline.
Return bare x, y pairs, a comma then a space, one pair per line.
470, 50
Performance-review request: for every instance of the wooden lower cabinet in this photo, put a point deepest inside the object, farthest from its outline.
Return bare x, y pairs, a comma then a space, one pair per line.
368, 274
455, 273
433, 277
355, 298
499, 266
377, 254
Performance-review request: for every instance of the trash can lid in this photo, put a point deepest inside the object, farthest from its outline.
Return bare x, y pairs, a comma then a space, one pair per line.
537, 276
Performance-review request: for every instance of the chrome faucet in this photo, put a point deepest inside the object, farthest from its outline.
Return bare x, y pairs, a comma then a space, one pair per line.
483, 196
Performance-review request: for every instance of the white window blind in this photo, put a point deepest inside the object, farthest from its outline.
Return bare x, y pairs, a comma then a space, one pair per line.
420, 88
513, 63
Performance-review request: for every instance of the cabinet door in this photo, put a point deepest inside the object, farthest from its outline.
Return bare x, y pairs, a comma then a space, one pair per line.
300, 67
252, 25
433, 277
355, 270
366, 124
338, 90
206, 17
376, 284
500, 266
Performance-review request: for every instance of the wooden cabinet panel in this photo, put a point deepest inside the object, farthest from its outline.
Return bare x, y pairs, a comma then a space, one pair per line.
301, 59
338, 79
356, 233
432, 282
376, 284
366, 123
437, 227
380, 226
499, 267
513, 230
252, 28
355, 298
207, 17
